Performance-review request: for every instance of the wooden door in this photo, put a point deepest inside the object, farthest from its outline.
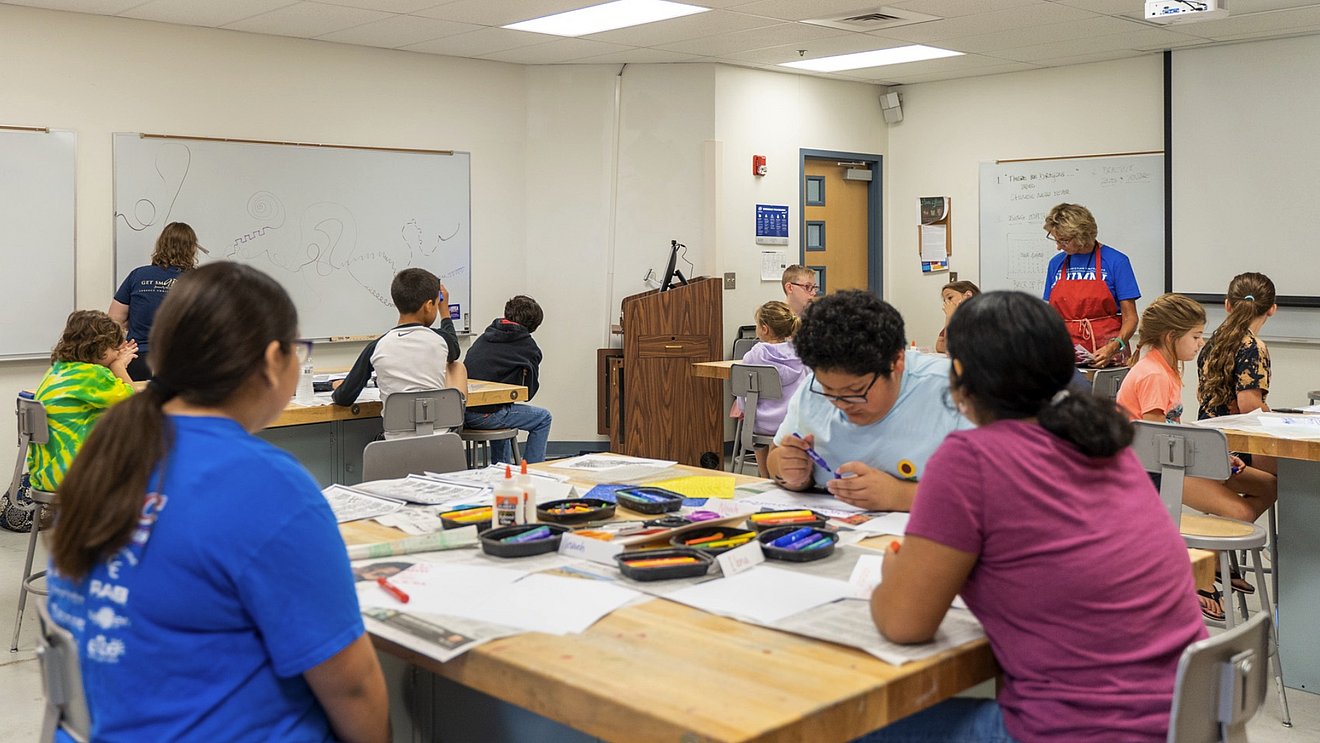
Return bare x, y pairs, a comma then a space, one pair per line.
836, 234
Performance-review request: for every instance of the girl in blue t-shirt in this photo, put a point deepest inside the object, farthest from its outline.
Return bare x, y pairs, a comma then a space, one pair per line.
139, 296
198, 567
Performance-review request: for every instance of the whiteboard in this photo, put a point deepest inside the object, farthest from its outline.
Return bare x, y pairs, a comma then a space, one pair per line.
332, 225
1125, 193
37, 243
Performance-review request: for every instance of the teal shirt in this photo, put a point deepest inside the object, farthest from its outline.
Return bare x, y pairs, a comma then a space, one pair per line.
900, 443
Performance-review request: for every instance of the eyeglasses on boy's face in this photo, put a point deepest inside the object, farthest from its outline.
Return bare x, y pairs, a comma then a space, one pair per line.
302, 350
853, 399
808, 288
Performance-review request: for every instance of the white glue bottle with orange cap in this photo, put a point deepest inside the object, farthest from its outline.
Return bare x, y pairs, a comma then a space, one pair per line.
528, 486
508, 501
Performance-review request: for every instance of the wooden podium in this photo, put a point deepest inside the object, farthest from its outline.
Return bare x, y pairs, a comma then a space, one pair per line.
657, 408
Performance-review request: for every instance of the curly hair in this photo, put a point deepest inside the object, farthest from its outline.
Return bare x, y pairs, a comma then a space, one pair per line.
1070, 222
1250, 295
176, 247
851, 331
88, 334
1014, 358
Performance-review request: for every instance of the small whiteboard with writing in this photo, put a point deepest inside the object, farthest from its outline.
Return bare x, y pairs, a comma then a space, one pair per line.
331, 224
36, 245
1124, 193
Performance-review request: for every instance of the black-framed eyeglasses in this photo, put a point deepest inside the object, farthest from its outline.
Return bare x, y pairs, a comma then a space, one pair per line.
302, 350
814, 386
808, 288
1059, 240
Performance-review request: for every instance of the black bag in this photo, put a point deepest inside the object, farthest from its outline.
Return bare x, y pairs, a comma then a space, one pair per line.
17, 516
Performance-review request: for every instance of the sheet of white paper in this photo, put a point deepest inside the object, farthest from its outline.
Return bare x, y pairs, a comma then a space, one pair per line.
352, 505
548, 603
894, 522
415, 520
605, 462
762, 594
773, 263
780, 499
1291, 426
866, 576
933, 245
439, 588
849, 623
422, 490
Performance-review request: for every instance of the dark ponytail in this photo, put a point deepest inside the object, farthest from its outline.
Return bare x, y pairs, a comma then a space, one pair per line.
1016, 361
208, 340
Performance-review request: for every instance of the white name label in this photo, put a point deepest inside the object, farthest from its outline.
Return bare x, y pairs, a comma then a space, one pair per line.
741, 558
586, 548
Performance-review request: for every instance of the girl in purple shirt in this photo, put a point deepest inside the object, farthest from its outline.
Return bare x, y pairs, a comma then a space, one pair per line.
1034, 518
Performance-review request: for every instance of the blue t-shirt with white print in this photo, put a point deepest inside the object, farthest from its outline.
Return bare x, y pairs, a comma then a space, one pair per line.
1115, 270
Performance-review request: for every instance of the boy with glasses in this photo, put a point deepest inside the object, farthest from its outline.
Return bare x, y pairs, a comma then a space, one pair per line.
799, 287
871, 410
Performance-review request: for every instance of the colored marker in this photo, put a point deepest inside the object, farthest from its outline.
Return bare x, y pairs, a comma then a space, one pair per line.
894, 546
792, 536
788, 520
818, 459
530, 535
739, 540
820, 544
661, 562
776, 515
392, 589
711, 538
802, 544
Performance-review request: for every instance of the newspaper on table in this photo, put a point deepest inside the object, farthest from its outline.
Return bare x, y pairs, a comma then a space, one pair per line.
613, 468
427, 491
849, 623
349, 504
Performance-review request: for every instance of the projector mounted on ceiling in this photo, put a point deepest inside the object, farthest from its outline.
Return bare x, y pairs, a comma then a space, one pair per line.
1185, 11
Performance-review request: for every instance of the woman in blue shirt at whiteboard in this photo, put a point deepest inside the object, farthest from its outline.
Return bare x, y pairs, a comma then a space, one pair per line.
135, 304
1092, 287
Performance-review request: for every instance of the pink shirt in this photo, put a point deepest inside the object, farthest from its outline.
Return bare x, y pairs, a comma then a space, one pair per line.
1082, 581
1150, 385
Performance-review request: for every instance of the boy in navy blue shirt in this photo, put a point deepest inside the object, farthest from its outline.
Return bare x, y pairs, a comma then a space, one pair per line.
506, 353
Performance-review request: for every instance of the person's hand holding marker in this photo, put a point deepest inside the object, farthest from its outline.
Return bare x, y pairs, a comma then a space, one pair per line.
793, 463
860, 485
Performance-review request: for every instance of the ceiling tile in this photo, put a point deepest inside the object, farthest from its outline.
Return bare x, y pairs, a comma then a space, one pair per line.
1037, 14
955, 8
797, 10
1283, 21
386, 6
99, 7
398, 31
1043, 34
632, 55
741, 41
480, 42
307, 20
1089, 58
1242, 7
559, 51
828, 46
500, 12
1124, 8
676, 30
202, 12
1130, 43
903, 79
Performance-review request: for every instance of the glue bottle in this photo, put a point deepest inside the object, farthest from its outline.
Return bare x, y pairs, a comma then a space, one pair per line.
528, 488
508, 501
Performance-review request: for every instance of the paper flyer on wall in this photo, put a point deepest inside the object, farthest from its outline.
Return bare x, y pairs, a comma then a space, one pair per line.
932, 209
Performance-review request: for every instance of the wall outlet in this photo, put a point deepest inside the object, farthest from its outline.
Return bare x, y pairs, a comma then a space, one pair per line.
953, 276
730, 280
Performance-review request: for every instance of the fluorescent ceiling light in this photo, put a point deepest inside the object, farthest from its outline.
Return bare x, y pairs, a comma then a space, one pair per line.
877, 58
607, 17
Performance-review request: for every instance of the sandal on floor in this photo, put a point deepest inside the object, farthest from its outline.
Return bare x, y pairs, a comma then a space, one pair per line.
1209, 612
1240, 584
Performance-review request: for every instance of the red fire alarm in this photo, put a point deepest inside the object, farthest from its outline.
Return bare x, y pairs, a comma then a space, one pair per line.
758, 165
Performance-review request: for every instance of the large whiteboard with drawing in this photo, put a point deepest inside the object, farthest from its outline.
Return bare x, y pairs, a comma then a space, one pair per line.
332, 225
1125, 193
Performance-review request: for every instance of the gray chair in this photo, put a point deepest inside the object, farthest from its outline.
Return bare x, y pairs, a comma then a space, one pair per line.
1106, 382
412, 455
61, 679
478, 441
422, 413
32, 429
753, 383
1177, 452
741, 346
1220, 685
1313, 396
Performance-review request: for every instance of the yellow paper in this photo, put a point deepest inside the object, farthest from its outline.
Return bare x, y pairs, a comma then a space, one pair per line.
699, 486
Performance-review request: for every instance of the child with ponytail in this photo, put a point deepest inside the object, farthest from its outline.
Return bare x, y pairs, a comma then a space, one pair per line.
1235, 364
775, 326
1033, 518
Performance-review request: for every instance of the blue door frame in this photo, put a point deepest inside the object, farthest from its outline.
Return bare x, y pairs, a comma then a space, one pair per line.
875, 239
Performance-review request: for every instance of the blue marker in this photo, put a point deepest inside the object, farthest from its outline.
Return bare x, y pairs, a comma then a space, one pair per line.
818, 459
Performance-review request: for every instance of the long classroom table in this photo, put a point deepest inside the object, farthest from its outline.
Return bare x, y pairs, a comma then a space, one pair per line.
328, 439
1298, 558
661, 671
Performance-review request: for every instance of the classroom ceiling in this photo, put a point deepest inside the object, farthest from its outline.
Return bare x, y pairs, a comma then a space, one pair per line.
996, 35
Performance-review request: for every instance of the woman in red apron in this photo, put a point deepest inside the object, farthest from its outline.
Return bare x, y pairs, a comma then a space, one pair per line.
1098, 322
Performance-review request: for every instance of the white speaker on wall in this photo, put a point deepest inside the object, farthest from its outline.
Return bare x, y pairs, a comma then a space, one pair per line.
891, 106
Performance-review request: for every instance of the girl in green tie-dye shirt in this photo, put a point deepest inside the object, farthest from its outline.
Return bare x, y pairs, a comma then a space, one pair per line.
88, 374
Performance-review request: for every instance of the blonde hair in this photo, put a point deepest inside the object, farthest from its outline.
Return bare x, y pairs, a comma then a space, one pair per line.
796, 273
1070, 222
779, 319
1250, 295
1168, 318
176, 247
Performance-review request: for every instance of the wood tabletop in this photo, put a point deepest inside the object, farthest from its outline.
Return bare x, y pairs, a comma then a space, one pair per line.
479, 393
714, 369
1258, 442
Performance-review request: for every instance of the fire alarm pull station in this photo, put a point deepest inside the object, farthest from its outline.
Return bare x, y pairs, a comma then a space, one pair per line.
758, 165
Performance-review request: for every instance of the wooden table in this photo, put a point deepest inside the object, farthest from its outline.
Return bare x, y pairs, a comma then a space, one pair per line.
714, 369
1298, 558
479, 393
661, 671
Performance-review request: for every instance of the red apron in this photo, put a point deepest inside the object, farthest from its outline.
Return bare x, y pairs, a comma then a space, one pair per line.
1088, 308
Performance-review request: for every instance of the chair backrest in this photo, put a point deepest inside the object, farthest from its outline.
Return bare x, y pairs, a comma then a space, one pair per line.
1176, 452
753, 382
1221, 684
414, 455
32, 429
423, 413
741, 346
61, 678
1106, 382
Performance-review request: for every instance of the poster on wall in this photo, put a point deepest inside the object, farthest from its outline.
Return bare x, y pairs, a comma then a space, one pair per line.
771, 224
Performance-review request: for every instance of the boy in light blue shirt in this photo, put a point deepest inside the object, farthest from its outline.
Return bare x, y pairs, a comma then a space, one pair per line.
871, 411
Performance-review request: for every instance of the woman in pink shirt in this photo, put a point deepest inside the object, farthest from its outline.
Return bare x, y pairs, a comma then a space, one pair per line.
1034, 518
